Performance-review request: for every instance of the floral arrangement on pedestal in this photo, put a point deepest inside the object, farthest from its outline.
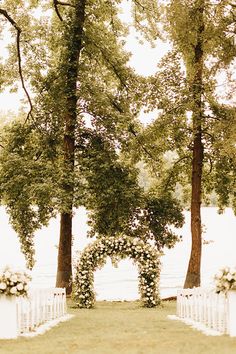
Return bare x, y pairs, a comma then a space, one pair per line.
94, 257
14, 283
225, 280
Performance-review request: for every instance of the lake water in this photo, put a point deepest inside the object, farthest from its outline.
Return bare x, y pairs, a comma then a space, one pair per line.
121, 283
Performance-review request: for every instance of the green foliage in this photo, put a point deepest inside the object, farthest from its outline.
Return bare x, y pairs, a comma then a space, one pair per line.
112, 193
116, 202
109, 97
31, 180
146, 17
171, 94
217, 34
221, 153
161, 214
27, 183
47, 46
94, 256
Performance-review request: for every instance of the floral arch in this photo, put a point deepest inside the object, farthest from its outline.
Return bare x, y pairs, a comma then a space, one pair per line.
94, 257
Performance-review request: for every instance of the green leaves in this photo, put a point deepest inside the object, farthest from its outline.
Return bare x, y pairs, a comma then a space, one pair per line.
80, 77
112, 192
172, 93
162, 213
116, 202
27, 183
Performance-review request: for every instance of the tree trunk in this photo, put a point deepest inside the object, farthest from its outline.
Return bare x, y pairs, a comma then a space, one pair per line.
73, 45
193, 277
64, 267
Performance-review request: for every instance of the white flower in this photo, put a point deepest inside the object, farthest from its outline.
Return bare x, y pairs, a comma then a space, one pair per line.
7, 274
13, 290
225, 279
3, 286
20, 286
229, 277
22, 278
13, 278
226, 285
219, 274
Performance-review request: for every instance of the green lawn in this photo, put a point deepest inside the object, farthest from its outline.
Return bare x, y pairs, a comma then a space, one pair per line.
121, 327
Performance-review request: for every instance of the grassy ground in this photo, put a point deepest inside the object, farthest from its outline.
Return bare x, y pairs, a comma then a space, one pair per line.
124, 328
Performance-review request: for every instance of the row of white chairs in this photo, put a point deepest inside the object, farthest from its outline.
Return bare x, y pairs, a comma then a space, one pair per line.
206, 307
21, 315
40, 306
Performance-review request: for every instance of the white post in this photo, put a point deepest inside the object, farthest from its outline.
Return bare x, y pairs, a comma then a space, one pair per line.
232, 313
8, 317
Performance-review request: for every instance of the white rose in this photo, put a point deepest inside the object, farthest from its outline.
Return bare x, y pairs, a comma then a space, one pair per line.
13, 290
219, 274
26, 287
7, 274
3, 286
229, 277
13, 278
20, 287
226, 285
21, 278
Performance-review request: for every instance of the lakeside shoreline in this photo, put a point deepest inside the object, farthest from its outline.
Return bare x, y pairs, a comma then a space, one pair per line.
121, 283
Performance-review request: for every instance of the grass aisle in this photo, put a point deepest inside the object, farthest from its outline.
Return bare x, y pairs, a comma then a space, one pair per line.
124, 328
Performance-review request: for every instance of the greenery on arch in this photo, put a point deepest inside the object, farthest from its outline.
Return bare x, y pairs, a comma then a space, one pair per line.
94, 257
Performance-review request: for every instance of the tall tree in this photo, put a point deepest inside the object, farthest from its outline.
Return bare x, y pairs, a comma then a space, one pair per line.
195, 73
72, 41
189, 114
79, 70
196, 52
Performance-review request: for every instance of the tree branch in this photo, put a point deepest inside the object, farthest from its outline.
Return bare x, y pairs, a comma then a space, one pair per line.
55, 4
211, 165
115, 104
21, 76
132, 131
172, 169
204, 132
60, 3
139, 4
153, 159
18, 29
64, 3
110, 63
8, 17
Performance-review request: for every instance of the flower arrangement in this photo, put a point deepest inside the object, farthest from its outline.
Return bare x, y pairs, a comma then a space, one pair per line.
94, 256
225, 280
14, 283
